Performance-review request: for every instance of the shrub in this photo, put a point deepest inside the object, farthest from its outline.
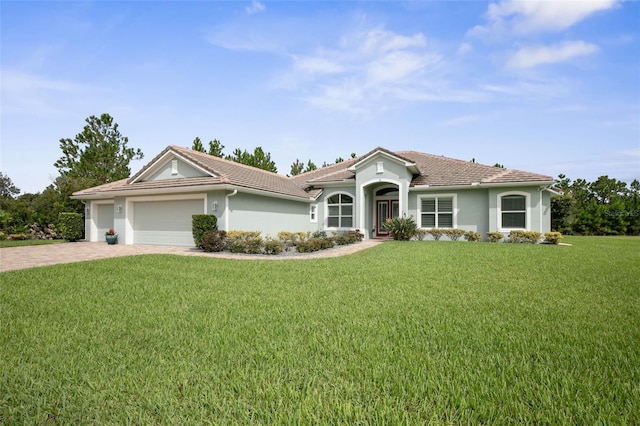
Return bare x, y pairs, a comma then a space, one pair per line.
245, 242
319, 234
355, 236
70, 225
494, 237
472, 236
436, 233
341, 240
310, 245
201, 225
19, 236
519, 236
552, 237
421, 234
401, 228
532, 237
291, 239
214, 241
515, 236
3, 236
273, 246
454, 234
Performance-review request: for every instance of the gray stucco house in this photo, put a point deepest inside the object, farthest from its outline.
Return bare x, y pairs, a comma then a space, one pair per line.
155, 205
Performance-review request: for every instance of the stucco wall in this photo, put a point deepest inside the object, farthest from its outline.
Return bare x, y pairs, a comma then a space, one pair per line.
322, 205
248, 212
370, 177
184, 171
538, 208
472, 208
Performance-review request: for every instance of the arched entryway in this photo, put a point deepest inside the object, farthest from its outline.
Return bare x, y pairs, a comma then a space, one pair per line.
387, 206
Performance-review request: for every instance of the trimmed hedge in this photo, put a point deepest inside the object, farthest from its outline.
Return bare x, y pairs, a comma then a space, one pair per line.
201, 225
552, 237
494, 237
472, 236
529, 237
70, 225
214, 241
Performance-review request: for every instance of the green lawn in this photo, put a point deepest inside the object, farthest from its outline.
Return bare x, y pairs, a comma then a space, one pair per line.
403, 333
18, 243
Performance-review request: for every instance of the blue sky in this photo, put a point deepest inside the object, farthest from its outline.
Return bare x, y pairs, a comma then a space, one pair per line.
542, 86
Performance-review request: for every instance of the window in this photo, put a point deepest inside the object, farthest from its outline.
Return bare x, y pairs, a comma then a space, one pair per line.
388, 192
340, 211
514, 211
437, 212
313, 213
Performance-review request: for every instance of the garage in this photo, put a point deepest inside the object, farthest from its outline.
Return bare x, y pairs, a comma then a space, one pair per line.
165, 222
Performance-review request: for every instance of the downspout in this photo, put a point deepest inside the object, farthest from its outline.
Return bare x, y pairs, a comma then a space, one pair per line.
540, 208
226, 209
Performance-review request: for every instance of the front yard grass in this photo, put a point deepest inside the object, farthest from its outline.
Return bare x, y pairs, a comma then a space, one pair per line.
403, 333
20, 243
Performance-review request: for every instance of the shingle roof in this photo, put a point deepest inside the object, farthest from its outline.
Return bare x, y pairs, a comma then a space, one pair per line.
443, 171
242, 175
433, 171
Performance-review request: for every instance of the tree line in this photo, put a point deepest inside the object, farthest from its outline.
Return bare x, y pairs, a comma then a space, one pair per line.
100, 154
605, 206
258, 158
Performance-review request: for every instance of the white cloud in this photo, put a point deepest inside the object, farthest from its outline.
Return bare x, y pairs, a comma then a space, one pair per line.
464, 48
634, 152
317, 65
367, 71
255, 7
531, 16
36, 94
529, 57
457, 121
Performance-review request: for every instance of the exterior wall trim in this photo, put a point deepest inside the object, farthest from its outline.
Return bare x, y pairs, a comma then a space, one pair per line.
454, 195
527, 210
361, 208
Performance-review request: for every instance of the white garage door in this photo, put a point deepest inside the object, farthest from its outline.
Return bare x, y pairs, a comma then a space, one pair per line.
165, 222
105, 220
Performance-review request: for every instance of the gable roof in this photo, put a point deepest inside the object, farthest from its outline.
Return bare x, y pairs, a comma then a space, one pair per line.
428, 171
222, 172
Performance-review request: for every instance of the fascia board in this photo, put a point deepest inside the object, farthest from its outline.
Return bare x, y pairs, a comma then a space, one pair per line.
371, 157
187, 189
478, 185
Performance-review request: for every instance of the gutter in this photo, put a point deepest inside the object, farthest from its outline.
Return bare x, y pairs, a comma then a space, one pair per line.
475, 185
227, 209
184, 190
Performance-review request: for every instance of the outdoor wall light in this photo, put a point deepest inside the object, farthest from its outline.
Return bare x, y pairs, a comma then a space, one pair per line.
214, 206
119, 208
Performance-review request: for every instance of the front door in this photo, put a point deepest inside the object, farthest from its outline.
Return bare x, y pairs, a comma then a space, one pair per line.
385, 209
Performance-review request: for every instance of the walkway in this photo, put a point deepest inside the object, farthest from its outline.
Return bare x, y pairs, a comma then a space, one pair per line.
14, 258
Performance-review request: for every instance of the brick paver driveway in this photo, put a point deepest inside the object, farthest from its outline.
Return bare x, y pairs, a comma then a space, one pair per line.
12, 258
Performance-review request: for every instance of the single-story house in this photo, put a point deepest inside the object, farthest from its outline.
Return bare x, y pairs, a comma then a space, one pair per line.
155, 205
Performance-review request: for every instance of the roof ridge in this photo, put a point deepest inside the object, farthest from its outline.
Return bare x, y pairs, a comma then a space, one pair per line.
189, 151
